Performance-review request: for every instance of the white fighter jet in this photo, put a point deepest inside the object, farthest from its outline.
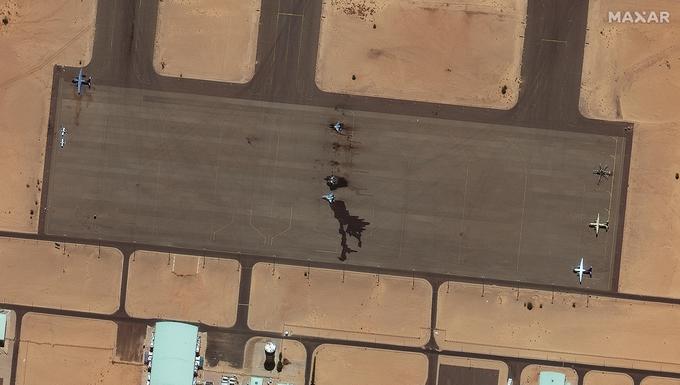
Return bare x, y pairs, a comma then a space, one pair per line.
580, 270
330, 197
337, 126
597, 225
62, 141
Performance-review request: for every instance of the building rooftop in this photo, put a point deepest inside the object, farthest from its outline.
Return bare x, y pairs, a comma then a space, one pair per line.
3, 325
552, 378
174, 353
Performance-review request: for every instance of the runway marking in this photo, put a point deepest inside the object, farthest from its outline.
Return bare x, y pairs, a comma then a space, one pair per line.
290, 14
213, 236
555, 41
612, 259
462, 219
250, 222
521, 223
290, 225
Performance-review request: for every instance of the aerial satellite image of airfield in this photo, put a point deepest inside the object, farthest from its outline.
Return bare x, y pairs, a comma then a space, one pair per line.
340, 192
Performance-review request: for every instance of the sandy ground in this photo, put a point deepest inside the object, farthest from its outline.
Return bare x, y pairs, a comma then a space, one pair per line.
500, 366
652, 380
337, 304
452, 52
291, 351
598, 377
650, 258
183, 287
207, 39
531, 373
341, 365
60, 275
70, 351
498, 320
39, 34
632, 72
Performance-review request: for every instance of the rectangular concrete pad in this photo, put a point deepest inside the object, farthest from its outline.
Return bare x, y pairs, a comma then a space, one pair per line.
457, 375
500, 369
60, 275
498, 320
71, 350
203, 289
598, 377
340, 365
338, 304
244, 176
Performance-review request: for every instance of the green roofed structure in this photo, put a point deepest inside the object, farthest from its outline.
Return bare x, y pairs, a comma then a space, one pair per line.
3, 327
174, 353
552, 378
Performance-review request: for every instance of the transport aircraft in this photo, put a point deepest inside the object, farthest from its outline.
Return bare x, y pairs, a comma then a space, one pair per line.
580, 270
80, 80
597, 225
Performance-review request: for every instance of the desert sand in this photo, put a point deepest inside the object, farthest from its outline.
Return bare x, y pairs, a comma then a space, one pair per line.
291, 351
531, 373
650, 258
652, 380
542, 325
207, 39
60, 275
340, 365
71, 351
500, 366
38, 35
183, 287
452, 52
598, 377
631, 72
336, 304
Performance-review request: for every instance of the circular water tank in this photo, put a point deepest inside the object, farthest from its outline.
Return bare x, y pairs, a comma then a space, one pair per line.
270, 347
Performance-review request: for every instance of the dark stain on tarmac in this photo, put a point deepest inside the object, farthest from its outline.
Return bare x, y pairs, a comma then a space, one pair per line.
225, 347
129, 341
349, 225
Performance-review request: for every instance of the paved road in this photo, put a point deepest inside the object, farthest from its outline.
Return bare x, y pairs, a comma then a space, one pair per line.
431, 195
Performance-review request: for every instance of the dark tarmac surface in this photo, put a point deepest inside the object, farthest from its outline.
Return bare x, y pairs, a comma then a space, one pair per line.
129, 341
423, 194
173, 162
458, 375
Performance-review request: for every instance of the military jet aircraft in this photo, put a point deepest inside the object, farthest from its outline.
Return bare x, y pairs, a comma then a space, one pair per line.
62, 141
337, 126
330, 197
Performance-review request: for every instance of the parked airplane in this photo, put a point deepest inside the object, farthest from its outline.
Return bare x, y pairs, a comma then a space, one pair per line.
63, 137
330, 197
602, 172
331, 181
337, 126
80, 80
580, 270
597, 225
